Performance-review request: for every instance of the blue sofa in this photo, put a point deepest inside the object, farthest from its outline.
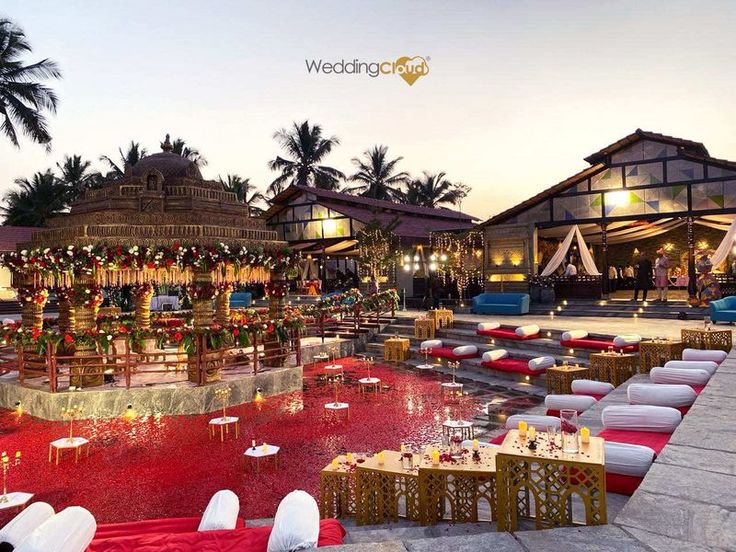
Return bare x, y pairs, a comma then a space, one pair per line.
723, 310
501, 303
241, 299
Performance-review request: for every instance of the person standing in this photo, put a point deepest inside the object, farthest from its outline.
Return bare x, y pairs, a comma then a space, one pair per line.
661, 274
629, 276
643, 279
571, 270
613, 278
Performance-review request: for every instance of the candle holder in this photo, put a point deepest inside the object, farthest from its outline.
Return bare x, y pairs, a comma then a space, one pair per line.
453, 367
71, 412
368, 364
456, 446
6, 466
569, 430
223, 396
336, 384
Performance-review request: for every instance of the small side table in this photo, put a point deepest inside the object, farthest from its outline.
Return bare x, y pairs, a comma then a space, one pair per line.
224, 423
334, 369
560, 378
707, 339
338, 407
657, 352
16, 501
453, 389
424, 328
321, 357
443, 318
396, 349
263, 452
337, 490
615, 368
464, 427
369, 384
77, 444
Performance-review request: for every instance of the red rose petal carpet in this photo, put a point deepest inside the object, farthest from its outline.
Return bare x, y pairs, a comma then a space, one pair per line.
157, 466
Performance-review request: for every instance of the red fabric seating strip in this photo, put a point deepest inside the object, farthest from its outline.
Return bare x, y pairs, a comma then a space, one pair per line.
622, 484
556, 413
594, 395
504, 333
652, 439
147, 526
446, 352
698, 389
512, 365
597, 345
499, 440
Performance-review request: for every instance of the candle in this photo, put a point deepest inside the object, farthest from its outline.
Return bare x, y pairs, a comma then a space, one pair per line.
435, 457
334, 464
381, 458
403, 447
5, 459
349, 457
253, 443
585, 435
265, 448
475, 444
532, 433
522, 428
17, 454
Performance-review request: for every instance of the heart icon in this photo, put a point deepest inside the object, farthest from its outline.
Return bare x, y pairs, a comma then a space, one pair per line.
410, 69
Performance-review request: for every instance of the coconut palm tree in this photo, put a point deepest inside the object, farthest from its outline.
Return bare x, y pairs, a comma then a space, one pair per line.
241, 187
433, 190
306, 147
133, 154
77, 175
37, 200
23, 100
179, 147
377, 175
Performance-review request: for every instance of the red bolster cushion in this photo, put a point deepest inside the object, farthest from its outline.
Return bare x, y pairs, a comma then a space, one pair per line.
511, 365
446, 352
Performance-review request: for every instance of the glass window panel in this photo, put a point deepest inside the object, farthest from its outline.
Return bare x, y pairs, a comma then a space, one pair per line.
607, 179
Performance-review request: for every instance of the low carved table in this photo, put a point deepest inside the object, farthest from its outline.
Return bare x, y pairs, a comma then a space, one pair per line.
396, 349
385, 492
657, 352
615, 368
443, 318
337, 489
707, 339
560, 378
424, 328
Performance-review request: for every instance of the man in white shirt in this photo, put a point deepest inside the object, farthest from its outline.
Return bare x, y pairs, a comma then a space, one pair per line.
612, 277
571, 270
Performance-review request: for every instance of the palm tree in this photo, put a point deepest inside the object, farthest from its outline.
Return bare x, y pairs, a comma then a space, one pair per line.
376, 175
77, 176
179, 147
432, 190
134, 154
306, 146
24, 100
37, 200
241, 187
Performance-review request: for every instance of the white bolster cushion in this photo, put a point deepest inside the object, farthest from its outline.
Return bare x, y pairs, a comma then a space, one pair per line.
296, 525
581, 403
71, 530
431, 344
574, 334
641, 417
541, 363
626, 459
624, 340
591, 387
465, 350
221, 512
496, 354
661, 374
468, 444
488, 326
704, 354
525, 331
22, 525
661, 394
707, 365
540, 423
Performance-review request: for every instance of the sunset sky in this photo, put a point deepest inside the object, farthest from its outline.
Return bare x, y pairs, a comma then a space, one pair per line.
517, 94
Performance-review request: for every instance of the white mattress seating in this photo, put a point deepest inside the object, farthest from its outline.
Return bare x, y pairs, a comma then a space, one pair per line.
673, 395
221, 512
468, 443
22, 525
581, 403
541, 363
71, 530
496, 354
296, 525
488, 326
540, 423
574, 334
591, 387
707, 365
640, 417
626, 459
465, 350
625, 340
660, 374
704, 354
525, 331
431, 344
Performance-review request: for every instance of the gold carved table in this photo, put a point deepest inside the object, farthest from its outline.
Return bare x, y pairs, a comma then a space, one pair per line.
396, 349
424, 328
707, 339
614, 368
540, 484
560, 378
657, 352
443, 318
337, 490
461, 486
383, 491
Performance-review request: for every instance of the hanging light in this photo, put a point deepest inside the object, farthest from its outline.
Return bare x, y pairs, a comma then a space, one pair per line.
433, 257
432, 266
407, 258
407, 268
443, 257
416, 258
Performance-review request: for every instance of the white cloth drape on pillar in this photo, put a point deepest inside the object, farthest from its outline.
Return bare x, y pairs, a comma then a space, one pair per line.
561, 252
726, 244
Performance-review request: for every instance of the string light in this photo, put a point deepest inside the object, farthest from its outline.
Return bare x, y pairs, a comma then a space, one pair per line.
461, 258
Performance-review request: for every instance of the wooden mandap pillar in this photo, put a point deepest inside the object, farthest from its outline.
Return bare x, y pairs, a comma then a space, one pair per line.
32, 299
142, 295
87, 369
691, 274
275, 351
203, 366
222, 305
67, 312
604, 260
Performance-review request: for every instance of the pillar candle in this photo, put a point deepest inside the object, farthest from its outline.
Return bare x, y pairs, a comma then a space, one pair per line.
435, 457
265, 448
334, 464
349, 457
532, 433
522, 428
585, 435
381, 458
475, 444
403, 447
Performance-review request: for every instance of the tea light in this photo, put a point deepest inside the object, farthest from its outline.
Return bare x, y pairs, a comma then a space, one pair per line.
335, 464
435, 457
349, 457
381, 458
265, 448
522, 428
584, 435
532, 433
403, 447
475, 444
253, 443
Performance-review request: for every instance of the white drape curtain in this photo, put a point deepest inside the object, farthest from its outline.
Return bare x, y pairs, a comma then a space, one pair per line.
726, 244
561, 252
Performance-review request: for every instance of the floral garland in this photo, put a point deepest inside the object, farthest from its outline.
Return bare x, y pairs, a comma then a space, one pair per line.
278, 289
202, 290
352, 301
141, 291
33, 294
87, 295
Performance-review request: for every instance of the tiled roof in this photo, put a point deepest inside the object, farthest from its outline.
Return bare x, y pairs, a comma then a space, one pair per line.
11, 236
639, 134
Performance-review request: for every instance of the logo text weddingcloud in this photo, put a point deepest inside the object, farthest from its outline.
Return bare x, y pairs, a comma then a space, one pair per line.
408, 68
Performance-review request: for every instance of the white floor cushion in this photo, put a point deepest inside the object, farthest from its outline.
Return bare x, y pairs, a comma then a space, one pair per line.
540, 423
296, 525
465, 350
221, 512
541, 363
22, 525
431, 344
71, 530
707, 365
624, 340
574, 334
496, 354
626, 459
704, 354
581, 403
660, 374
640, 417
488, 326
525, 331
591, 387
468, 444
673, 395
